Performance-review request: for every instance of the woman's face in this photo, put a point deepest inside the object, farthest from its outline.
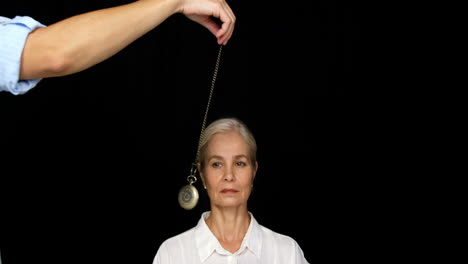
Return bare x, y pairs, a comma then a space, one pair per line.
228, 174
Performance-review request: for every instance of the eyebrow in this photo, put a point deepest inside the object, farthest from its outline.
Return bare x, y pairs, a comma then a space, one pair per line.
219, 157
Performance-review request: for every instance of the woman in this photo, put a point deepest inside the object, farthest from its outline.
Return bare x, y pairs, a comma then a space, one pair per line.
229, 233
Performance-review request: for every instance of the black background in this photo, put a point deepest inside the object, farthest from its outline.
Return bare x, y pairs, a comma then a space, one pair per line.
91, 163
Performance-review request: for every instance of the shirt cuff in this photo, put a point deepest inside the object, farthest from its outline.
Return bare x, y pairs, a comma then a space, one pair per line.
14, 34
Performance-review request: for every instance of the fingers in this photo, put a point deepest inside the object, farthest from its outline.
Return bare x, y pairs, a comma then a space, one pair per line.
213, 27
228, 19
202, 11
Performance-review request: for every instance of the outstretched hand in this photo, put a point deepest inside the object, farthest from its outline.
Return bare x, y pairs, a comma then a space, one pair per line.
203, 11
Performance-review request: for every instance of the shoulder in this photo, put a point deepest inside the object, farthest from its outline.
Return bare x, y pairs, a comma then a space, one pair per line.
281, 240
180, 248
282, 246
272, 239
178, 241
176, 249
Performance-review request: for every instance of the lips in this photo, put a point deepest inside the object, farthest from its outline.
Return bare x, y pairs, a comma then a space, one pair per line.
229, 191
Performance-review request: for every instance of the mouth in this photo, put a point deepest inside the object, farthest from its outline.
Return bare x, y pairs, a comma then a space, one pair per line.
229, 191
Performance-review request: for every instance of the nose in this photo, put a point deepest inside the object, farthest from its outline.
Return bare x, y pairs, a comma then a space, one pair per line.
229, 174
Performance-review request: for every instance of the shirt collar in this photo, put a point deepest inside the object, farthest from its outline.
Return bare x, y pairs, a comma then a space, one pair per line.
253, 238
207, 243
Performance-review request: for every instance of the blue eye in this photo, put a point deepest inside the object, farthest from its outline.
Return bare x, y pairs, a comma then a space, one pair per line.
216, 164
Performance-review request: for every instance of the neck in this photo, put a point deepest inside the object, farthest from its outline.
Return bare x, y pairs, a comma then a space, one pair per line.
229, 225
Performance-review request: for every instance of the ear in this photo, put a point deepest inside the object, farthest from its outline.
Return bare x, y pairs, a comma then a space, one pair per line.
201, 174
255, 170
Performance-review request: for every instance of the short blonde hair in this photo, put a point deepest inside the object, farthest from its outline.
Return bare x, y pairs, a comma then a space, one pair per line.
226, 125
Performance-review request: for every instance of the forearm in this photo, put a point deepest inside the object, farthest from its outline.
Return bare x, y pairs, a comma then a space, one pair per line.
82, 41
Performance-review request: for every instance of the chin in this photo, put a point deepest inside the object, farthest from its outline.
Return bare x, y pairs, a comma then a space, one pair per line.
229, 203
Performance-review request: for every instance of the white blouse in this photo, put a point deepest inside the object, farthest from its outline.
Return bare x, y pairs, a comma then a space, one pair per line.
260, 245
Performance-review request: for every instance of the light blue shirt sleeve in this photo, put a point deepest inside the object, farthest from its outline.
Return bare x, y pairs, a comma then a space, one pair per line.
13, 34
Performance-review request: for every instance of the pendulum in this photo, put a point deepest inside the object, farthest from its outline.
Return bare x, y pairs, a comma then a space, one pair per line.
188, 194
